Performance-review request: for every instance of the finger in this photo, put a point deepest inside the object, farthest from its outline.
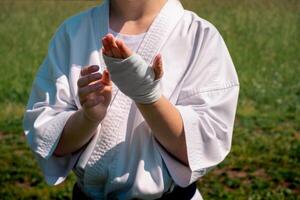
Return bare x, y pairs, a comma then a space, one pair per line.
110, 40
85, 80
124, 50
113, 46
106, 78
106, 47
93, 102
104, 51
158, 67
107, 91
89, 70
85, 91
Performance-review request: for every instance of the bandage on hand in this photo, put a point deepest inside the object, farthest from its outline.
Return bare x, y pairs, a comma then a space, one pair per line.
134, 77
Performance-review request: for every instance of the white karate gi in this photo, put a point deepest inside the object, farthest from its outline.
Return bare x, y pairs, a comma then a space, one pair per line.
123, 160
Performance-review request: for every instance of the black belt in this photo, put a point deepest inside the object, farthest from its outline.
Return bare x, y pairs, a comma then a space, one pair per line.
78, 194
177, 193
180, 193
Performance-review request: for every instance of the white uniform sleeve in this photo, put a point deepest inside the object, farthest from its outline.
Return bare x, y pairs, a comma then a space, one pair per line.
207, 104
49, 107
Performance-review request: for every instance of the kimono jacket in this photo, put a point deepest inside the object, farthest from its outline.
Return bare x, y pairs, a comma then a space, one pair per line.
124, 160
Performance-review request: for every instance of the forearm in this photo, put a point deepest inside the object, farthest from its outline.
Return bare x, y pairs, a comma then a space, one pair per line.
167, 126
76, 133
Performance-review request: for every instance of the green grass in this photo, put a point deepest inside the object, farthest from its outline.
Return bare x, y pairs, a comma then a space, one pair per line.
263, 39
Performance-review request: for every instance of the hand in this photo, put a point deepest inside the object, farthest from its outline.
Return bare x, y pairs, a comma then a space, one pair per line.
133, 76
116, 48
94, 91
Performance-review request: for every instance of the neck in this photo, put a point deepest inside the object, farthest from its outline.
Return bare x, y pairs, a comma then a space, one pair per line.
137, 15
135, 9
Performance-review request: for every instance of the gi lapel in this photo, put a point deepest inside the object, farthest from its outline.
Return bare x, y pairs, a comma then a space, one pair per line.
160, 30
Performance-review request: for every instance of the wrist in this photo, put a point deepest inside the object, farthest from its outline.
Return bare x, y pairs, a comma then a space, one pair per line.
150, 104
90, 120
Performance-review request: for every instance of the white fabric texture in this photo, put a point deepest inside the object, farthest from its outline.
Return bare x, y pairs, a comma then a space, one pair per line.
124, 160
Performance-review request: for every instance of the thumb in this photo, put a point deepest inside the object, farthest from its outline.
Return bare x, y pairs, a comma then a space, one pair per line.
158, 67
106, 77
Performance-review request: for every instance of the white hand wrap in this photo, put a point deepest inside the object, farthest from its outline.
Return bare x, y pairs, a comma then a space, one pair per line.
134, 78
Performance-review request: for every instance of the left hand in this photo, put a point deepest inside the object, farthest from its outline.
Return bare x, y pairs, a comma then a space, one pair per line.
94, 91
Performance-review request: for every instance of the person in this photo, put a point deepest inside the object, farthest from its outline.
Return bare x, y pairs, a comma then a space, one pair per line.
138, 98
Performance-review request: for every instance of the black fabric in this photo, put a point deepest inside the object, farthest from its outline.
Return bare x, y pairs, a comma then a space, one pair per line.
178, 193
181, 193
78, 194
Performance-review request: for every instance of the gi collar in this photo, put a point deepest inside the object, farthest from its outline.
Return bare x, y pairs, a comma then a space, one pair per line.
157, 34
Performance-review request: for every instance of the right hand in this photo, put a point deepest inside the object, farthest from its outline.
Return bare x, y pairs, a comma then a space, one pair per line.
131, 74
94, 91
116, 48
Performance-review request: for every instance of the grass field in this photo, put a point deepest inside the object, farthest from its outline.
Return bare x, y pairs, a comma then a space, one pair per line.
263, 37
